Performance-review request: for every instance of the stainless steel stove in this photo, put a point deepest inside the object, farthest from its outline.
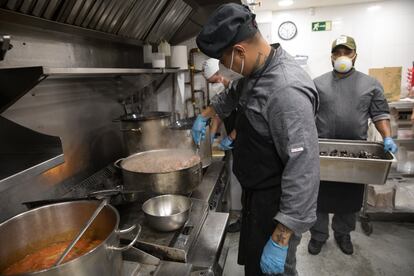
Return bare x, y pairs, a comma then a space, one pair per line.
192, 250
174, 245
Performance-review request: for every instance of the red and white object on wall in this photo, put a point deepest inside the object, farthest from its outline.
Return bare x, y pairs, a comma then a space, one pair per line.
410, 81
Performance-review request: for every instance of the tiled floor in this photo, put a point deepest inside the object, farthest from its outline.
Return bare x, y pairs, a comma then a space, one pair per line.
388, 251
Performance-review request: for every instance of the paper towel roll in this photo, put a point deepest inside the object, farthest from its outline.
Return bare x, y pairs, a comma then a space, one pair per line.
179, 57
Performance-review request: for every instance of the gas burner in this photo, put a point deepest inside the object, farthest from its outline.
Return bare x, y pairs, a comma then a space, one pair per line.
173, 245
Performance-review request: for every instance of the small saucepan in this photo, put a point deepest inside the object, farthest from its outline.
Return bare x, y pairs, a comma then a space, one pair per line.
167, 212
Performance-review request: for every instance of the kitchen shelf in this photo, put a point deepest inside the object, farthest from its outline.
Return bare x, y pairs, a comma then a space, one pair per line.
52, 71
18, 81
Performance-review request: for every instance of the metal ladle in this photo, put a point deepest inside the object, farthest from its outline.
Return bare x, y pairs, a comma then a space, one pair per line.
82, 231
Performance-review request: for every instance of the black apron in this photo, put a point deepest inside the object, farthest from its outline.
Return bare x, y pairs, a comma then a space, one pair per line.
338, 197
259, 171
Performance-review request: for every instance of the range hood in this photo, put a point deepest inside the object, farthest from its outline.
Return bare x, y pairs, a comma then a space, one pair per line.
149, 21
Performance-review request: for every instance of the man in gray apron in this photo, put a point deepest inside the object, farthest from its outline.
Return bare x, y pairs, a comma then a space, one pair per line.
276, 153
348, 98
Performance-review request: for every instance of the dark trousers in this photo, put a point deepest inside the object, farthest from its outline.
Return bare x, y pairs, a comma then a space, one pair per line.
342, 224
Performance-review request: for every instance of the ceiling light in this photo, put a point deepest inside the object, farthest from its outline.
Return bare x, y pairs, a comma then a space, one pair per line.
374, 8
285, 3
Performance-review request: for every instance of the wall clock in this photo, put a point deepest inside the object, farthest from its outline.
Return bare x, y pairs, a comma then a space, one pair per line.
287, 30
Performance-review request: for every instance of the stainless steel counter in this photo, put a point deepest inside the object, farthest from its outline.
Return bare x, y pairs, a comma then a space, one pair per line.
206, 251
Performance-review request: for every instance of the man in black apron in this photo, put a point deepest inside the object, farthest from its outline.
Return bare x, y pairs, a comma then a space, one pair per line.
276, 153
348, 98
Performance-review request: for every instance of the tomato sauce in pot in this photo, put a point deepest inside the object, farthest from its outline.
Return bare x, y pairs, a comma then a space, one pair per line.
46, 257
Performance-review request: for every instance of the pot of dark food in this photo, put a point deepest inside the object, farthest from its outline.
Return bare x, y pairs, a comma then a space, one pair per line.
144, 131
33, 241
163, 171
167, 212
181, 138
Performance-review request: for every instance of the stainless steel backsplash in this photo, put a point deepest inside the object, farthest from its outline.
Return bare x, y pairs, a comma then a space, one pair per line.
79, 110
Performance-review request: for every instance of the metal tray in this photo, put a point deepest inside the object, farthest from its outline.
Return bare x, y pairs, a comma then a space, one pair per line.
355, 170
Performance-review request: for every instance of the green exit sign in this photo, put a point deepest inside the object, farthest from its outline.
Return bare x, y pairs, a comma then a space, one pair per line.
321, 26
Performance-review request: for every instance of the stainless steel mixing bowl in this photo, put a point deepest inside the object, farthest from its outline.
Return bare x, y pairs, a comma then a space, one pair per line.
167, 212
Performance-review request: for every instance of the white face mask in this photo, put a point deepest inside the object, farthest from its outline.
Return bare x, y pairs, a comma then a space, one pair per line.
216, 88
231, 65
343, 64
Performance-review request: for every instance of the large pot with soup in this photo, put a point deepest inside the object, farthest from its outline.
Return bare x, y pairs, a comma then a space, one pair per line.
32, 242
163, 171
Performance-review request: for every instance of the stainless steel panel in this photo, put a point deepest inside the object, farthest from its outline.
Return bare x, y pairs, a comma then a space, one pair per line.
27, 6
77, 7
80, 111
136, 255
173, 268
354, 170
34, 46
29, 172
87, 6
121, 15
113, 5
51, 9
169, 22
112, 13
14, 4
205, 190
40, 7
141, 18
99, 13
65, 10
56, 71
50, 30
207, 248
95, 7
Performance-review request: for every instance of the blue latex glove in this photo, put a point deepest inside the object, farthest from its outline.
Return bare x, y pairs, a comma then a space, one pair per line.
199, 129
226, 143
273, 258
389, 145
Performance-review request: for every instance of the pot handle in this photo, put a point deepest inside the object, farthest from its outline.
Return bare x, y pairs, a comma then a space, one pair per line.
125, 231
116, 163
132, 129
126, 247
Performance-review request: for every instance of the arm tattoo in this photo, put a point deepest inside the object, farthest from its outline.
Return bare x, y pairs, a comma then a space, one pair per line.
282, 234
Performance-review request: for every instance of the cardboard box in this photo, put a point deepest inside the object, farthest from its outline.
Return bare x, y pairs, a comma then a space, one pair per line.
390, 78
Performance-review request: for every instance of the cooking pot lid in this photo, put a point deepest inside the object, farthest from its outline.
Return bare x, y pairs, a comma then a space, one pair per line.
152, 115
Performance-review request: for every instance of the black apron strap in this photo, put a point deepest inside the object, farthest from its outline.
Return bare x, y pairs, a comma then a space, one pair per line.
242, 108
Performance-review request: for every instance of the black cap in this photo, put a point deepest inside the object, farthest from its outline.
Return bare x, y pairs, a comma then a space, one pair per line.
228, 24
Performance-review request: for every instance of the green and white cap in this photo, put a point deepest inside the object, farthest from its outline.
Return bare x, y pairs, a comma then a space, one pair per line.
344, 40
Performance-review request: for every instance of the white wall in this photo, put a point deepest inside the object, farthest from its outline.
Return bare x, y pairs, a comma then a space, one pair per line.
384, 35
